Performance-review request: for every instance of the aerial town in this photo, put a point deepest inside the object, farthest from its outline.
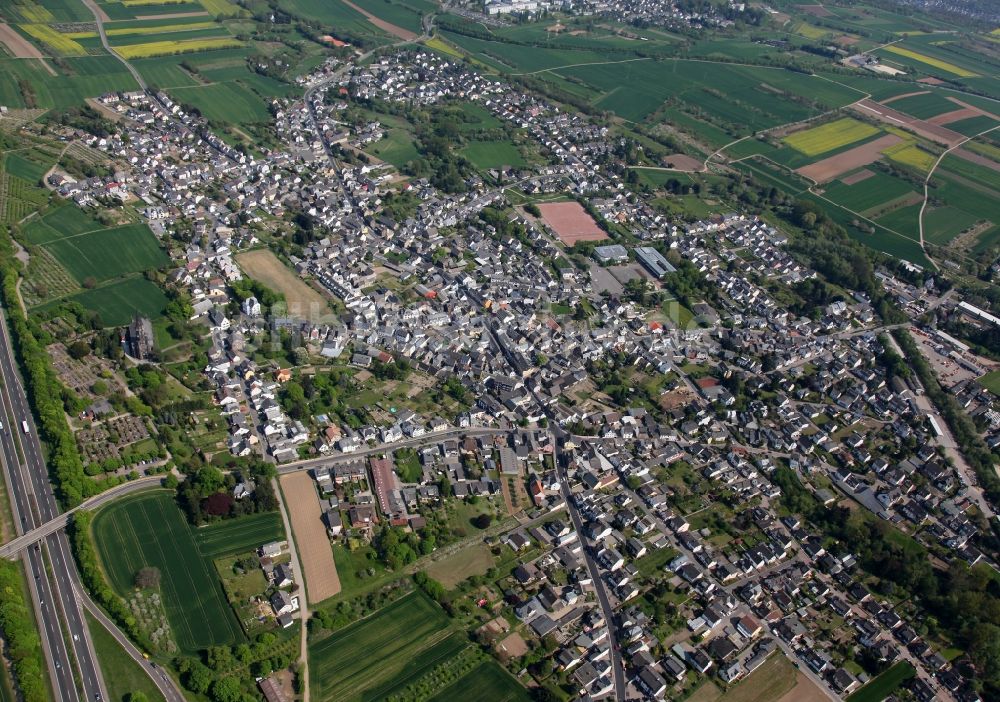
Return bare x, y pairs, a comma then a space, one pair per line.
523, 430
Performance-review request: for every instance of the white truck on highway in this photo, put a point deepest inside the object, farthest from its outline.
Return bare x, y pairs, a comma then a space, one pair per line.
24, 425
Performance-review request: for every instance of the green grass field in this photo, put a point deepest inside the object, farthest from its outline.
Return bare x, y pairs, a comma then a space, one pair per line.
485, 155
885, 684
396, 148
942, 224
237, 535
930, 104
394, 646
147, 529
991, 381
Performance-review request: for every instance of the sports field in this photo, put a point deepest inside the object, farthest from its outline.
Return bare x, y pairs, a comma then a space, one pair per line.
830, 136
571, 223
237, 535
147, 529
379, 656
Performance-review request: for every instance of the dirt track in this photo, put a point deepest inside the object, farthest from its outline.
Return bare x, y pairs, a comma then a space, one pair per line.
319, 569
396, 31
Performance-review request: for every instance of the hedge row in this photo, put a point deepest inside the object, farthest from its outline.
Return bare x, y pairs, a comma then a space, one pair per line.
24, 647
45, 394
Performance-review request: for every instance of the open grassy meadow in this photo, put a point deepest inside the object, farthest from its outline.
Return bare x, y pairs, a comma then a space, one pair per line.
485, 155
147, 529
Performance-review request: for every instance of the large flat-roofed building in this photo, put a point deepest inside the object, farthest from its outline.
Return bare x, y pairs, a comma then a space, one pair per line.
613, 253
653, 261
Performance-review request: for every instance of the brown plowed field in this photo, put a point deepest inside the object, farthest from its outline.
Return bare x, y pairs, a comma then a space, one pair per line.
571, 223
16, 44
934, 132
857, 177
954, 116
319, 569
830, 168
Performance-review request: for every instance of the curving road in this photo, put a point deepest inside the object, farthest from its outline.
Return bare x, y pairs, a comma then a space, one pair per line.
13, 547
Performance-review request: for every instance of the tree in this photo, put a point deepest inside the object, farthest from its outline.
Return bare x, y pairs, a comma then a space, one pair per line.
227, 690
198, 677
147, 578
482, 521
78, 349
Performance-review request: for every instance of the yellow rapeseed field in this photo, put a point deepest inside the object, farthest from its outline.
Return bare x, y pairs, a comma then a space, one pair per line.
442, 46
169, 48
909, 154
830, 136
931, 61
61, 44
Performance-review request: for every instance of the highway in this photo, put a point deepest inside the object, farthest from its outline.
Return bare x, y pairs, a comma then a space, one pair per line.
13, 547
50, 581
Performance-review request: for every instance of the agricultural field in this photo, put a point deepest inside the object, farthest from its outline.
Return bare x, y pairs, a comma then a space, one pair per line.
105, 254
867, 192
236, 535
169, 48
737, 98
398, 645
930, 61
830, 136
486, 683
118, 302
147, 529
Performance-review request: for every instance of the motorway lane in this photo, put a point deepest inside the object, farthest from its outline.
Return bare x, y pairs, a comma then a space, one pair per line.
55, 597
53, 642
16, 545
